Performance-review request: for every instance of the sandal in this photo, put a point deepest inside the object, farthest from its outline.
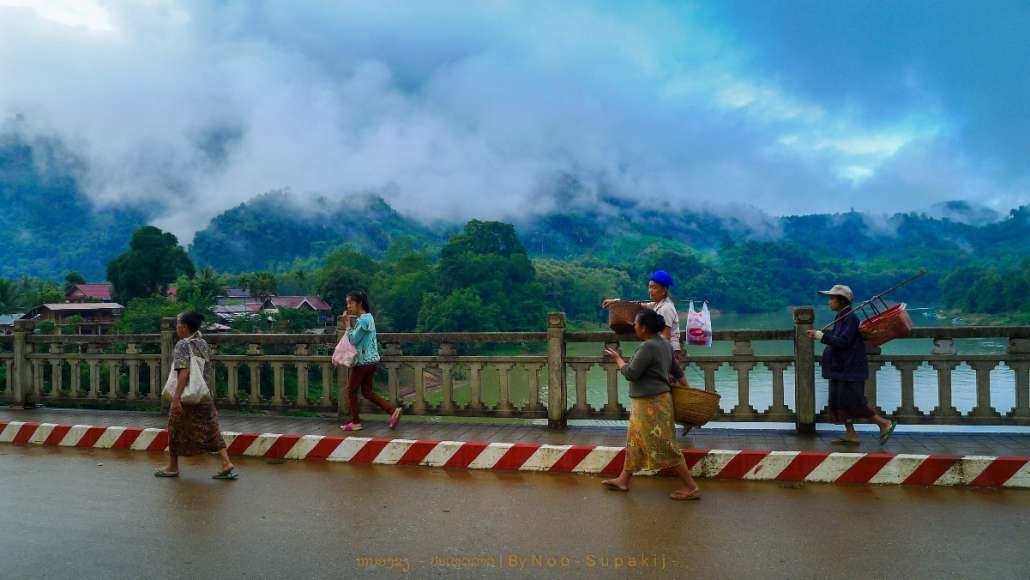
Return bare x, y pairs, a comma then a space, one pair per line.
352, 427
887, 435
694, 495
609, 484
163, 473
395, 418
230, 473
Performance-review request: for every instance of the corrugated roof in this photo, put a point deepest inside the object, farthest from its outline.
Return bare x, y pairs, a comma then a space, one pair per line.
295, 302
98, 291
84, 306
8, 319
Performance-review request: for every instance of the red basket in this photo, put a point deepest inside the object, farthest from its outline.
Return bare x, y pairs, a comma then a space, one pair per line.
885, 326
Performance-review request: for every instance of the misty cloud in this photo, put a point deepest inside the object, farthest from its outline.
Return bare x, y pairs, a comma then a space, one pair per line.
451, 111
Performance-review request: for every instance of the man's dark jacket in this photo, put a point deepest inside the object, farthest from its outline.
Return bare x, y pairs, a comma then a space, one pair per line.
844, 358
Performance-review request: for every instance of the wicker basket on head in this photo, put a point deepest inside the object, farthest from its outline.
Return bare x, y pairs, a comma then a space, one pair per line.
694, 406
622, 314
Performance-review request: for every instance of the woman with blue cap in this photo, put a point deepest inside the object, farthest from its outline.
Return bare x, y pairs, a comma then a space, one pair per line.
661, 302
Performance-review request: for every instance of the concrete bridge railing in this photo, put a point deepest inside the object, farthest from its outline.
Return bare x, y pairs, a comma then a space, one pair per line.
519, 375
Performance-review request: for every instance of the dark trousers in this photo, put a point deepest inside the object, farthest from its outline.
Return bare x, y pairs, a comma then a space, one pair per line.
361, 379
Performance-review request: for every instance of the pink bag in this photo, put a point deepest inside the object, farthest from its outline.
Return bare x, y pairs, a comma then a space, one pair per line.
345, 353
699, 326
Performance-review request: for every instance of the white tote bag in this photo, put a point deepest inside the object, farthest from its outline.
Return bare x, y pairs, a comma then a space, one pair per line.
196, 390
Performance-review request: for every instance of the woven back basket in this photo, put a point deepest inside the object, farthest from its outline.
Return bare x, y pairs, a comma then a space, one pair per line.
622, 314
694, 406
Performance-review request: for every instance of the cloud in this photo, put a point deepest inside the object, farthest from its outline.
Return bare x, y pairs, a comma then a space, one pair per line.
453, 111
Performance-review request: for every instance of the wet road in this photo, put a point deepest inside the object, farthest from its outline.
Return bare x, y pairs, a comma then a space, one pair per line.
64, 516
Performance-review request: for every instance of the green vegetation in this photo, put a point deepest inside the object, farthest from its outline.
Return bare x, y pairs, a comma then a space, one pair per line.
154, 260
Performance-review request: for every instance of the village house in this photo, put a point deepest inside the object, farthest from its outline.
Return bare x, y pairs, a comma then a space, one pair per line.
88, 317
312, 303
83, 293
7, 323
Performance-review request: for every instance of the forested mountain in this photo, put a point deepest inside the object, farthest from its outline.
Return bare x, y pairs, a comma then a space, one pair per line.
48, 226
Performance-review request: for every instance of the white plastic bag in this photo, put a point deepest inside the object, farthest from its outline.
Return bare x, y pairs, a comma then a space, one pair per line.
196, 390
345, 354
699, 326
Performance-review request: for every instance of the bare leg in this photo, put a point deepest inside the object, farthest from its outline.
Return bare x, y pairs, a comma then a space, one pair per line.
690, 487
173, 464
620, 483
851, 434
226, 463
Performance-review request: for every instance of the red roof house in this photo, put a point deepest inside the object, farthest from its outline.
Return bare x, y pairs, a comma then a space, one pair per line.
81, 293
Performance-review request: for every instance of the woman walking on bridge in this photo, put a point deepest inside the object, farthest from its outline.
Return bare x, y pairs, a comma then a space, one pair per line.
846, 366
651, 438
362, 334
193, 428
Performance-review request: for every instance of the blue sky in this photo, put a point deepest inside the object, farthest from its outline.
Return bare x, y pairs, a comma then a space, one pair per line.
460, 109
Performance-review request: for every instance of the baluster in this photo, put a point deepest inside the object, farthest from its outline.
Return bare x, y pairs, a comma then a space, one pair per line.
709, 369
446, 351
743, 410
908, 409
944, 409
871, 383
254, 350
327, 385
983, 407
75, 388
612, 409
778, 411
8, 378
390, 350
131, 351
232, 382
156, 386
94, 378
114, 370
582, 409
534, 389
476, 387
1021, 370
56, 371
278, 383
302, 376
420, 388
504, 407
37, 382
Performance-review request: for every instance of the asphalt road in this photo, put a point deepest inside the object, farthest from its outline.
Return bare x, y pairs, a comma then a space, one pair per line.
67, 513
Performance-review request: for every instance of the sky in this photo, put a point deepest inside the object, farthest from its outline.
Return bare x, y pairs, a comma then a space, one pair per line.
454, 110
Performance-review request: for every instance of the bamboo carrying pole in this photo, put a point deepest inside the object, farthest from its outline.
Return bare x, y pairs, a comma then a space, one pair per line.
880, 296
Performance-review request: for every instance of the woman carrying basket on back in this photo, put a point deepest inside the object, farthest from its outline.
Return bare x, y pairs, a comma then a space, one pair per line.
651, 437
661, 302
846, 366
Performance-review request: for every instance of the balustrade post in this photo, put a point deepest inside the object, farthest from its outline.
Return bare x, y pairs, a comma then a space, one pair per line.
804, 370
557, 416
1021, 369
21, 397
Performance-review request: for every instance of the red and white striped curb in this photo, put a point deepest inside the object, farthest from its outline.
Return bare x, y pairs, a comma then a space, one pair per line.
796, 466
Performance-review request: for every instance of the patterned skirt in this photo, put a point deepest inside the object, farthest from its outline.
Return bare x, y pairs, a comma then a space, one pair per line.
195, 430
651, 440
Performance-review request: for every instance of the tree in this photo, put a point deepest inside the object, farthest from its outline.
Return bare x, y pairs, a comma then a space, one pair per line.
154, 260
488, 259
461, 311
203, 289
260, 284
71, 279
143, 315
9, 296
406, 276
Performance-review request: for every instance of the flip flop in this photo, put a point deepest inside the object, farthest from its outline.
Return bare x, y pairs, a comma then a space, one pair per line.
163, 473
694, 495
611, 486
396, 417
352, 427
227, 474
890, 430
844, 441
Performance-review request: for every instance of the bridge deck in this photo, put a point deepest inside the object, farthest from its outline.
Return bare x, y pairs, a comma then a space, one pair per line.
920, 442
